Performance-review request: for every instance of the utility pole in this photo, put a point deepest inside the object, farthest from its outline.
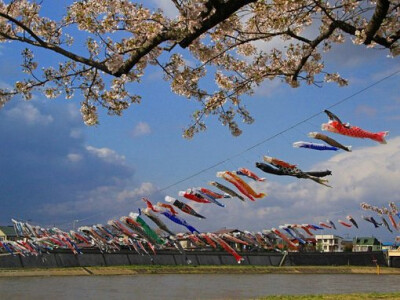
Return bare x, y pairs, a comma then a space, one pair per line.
74, 223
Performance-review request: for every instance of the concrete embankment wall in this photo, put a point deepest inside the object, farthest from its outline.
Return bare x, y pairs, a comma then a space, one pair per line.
395, 261
62, 258
336, 258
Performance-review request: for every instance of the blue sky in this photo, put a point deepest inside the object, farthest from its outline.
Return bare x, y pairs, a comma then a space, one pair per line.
55, 170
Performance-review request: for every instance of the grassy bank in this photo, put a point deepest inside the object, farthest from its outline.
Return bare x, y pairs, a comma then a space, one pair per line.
355, 296
155, 269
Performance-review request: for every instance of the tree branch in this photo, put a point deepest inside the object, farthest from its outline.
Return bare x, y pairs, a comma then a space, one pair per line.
41, 43
144, 50
314, 44
224, 11
350, 29
178, 6
382, 8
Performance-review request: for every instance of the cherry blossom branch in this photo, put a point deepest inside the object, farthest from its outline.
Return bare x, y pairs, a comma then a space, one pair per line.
313, 45
224, 11
382, 7
41, 43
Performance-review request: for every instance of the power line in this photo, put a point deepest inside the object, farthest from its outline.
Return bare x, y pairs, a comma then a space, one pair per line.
280, 132
79, 220
194, 175
261, 142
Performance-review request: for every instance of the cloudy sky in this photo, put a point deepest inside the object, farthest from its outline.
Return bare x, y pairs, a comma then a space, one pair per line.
55, 170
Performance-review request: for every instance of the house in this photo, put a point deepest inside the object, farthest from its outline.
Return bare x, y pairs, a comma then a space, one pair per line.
329, 243
347, 245
193, 242
8, 233
235, 233
366, 244
187, 241
389, 246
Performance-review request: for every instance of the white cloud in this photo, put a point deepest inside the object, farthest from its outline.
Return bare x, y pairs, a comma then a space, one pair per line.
56, 167
5, 85
168, 7
349, 55
310, 32
269, 88
74, 112
145, 189
370, 174
106, 154
387, 72
394, 118
29, 114
74, 157
366, 110
109, 201
268, 46
75, 133
155, 75
142, 128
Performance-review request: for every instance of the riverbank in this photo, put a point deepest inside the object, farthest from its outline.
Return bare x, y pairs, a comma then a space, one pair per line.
158, 269
93, 257
355, 296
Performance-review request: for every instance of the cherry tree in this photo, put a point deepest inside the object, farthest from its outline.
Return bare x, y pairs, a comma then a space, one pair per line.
222, 38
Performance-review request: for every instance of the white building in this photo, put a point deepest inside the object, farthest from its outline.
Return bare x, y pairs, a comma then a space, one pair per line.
329, 243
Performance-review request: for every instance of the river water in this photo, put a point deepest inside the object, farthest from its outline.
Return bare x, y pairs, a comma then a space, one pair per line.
192, 286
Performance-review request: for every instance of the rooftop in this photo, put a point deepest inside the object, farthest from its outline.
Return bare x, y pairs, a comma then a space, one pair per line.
327, 236
225, 230
8, 231
366, 241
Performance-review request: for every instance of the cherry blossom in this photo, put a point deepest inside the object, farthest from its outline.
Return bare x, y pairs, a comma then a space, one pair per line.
221, 38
